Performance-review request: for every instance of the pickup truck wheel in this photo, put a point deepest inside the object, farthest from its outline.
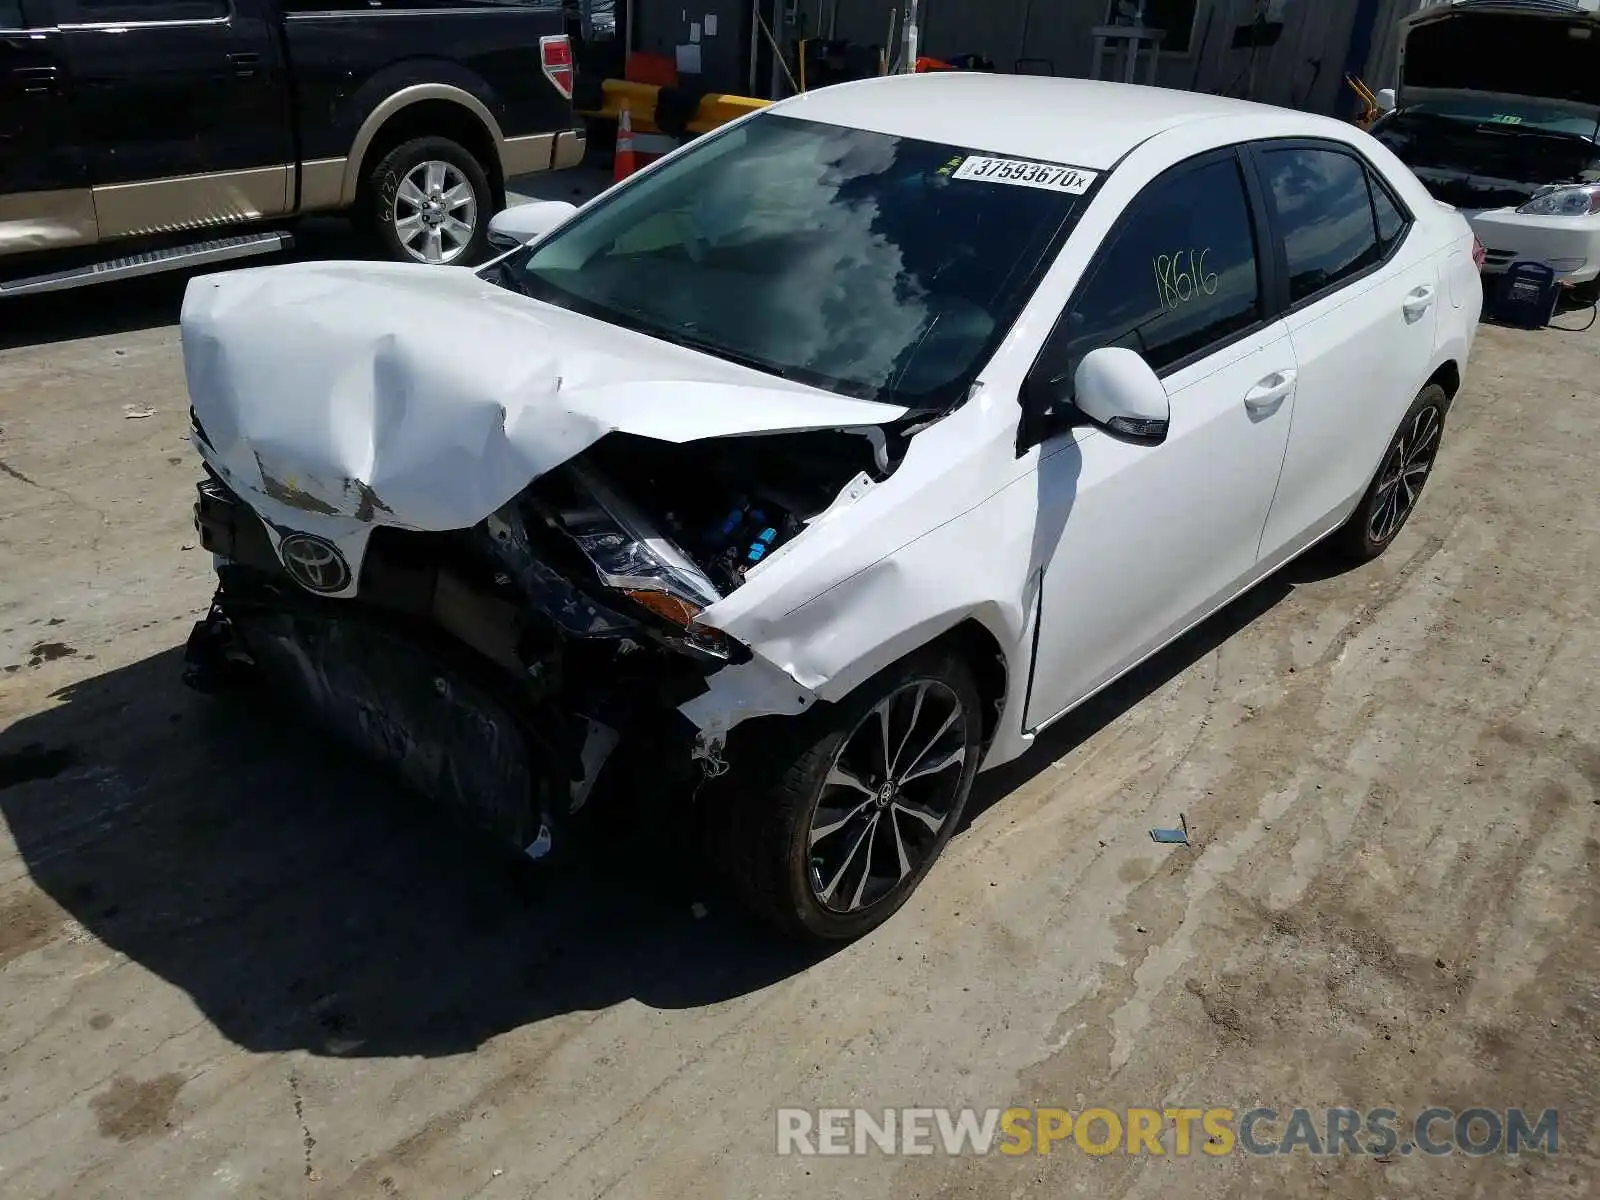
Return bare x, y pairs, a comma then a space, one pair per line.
431, 203
863, 802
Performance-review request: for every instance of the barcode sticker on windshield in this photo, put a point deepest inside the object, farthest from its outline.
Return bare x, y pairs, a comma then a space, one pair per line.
1021, 173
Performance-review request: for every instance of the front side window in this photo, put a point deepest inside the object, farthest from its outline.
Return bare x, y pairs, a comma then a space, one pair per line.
876, 266
1178, 275
1325, 215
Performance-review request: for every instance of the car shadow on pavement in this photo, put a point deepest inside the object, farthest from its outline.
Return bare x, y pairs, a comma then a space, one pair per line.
1149, 677
305, 902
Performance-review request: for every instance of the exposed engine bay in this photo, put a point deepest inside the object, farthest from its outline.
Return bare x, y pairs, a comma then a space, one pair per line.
726, 504
500, 666
1476, 166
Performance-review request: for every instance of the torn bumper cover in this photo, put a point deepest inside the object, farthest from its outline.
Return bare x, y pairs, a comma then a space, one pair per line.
475, 534
504, 709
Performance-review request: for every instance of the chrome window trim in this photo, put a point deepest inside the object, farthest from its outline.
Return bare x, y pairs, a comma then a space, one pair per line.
119, 26
344, 14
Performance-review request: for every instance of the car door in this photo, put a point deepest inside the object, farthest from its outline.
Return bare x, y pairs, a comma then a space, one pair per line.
45, 202
183, 105
1142, 540
1362, 295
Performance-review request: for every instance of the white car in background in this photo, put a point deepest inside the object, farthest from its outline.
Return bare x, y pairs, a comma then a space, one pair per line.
824, 462
1498, 112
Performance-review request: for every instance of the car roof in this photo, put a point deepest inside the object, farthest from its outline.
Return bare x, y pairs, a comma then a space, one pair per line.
1082, 122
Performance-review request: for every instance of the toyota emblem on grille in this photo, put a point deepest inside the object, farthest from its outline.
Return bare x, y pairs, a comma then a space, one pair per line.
315, 563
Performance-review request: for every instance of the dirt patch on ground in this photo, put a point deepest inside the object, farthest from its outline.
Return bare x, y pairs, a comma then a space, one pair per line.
26, 923
129, 1109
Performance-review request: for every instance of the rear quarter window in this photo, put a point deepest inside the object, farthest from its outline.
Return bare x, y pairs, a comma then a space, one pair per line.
1392, 222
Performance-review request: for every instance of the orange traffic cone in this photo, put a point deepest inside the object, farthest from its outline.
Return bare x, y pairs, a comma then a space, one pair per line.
624, 163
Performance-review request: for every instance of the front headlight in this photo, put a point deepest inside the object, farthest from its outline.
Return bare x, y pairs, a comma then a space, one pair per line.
630, 555
1579, 200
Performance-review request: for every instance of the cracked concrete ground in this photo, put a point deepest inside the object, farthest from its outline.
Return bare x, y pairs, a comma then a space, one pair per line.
232, 962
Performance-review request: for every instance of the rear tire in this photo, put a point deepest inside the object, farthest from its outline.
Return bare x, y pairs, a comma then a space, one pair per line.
1397, 486
838, 840
429, 201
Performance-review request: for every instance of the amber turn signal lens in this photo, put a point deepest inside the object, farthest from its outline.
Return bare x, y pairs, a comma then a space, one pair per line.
663, 604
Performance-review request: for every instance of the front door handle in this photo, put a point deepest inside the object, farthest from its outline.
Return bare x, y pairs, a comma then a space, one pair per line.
1419, 301
244, 64
1270, 390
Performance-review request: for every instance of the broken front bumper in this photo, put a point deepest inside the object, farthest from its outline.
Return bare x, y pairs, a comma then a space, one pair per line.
506, 713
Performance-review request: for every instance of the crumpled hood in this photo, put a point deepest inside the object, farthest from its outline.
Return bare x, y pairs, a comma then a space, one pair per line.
338, 395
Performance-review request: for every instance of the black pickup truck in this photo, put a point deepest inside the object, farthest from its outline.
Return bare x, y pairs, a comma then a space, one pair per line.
143, 135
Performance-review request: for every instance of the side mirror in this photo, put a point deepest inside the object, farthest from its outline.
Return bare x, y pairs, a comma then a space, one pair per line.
1117, 390
522, 223
1385, 99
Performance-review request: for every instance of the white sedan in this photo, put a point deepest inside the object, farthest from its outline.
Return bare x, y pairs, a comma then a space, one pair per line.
823, 463
1508, 136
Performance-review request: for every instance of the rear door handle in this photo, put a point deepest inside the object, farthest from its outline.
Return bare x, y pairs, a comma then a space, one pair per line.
1270, 390
245, 64
1419, 301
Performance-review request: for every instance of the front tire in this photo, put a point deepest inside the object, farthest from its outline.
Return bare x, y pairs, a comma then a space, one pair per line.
863, 802
429, 201
1395, 489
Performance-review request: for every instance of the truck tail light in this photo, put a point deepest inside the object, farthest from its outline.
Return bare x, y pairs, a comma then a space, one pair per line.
555, 56
1478, 253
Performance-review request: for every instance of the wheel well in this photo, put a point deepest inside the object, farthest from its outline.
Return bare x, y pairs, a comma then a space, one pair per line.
1449, 378
437, 118
981, 652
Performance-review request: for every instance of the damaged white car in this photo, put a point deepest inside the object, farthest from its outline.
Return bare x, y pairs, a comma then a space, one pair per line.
824, 462
1498, 113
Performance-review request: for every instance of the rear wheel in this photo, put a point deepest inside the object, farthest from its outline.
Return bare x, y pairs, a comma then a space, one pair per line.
863, 806
430, 202
1396, 488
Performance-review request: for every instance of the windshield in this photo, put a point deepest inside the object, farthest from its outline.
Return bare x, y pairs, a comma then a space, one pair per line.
1508, 114
875, 266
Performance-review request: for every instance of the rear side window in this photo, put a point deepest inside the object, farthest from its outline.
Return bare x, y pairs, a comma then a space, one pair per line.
1325, 214
1391, 221
1178, 275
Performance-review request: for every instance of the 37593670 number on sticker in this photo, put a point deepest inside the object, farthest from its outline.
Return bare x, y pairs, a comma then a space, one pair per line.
1050, 177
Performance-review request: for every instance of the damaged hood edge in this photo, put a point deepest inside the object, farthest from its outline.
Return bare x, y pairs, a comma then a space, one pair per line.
340, 395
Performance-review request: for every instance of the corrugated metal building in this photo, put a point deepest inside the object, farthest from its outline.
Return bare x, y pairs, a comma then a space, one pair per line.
1320, 40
